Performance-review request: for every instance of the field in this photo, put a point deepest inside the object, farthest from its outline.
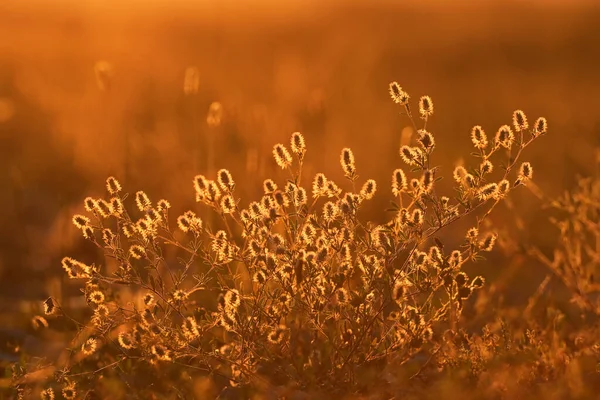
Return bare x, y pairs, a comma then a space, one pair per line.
156, 93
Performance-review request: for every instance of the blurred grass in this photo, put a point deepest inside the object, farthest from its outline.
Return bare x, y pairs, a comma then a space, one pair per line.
319, 68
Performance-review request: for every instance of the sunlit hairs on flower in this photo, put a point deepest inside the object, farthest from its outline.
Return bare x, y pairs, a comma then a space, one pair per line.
96, 297
47, 394
398, 95
347, 163
142, 201
69, 392
504, 137
526, 171
161, 352
487, 244
112, 185
541, 126
298, 145
486, 167
75, 269
426, 139
89, 204
80, 221
410, 155
225, 180
478, 137
520, 121
90, 346
399, 182
368, 190
425, 107
50, 306
488, 191
282, 156
137, 252
269, 186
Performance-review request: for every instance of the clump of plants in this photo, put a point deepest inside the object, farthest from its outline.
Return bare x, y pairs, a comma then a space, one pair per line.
292, 292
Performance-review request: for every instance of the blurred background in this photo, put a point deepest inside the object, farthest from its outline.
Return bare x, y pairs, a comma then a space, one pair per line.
96, 88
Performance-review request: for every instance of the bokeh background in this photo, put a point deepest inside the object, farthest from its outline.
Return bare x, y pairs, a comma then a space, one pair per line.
319, 67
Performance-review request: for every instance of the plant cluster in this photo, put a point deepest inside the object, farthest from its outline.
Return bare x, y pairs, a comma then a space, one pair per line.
293, 290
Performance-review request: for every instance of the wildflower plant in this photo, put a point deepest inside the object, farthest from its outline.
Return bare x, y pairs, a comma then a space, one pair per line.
293, 290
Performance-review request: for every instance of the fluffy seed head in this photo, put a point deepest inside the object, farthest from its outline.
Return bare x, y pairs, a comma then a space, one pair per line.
409, 155
368, 190
282, 156
47, 394
526, 171
269, 186
426, 139
399, 182
298, 144
319, 186
89, 346
541, 126
137, 252
89, 204
520, 121
227, 204
398, 95
347, 162
488, 191
112, 185
225, 180
478, 137
487, 244
50, 306
505, 137
142, 201
80, 221
425, 106
125, 341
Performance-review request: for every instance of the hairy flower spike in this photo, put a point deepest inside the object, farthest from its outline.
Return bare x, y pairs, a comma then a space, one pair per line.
426, 139
50, 306
487, 244
399, 182
347, 162
541, 126
398, 95
137, 252
80, 221
225, 180
112, 185
368, 190
89, 204
488, 191
228, 204
520, 121
425, 106
282, 156
269, 186
90, 346
479, 138
526, 171
409, 155
298, 145
504, 137
142, 201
